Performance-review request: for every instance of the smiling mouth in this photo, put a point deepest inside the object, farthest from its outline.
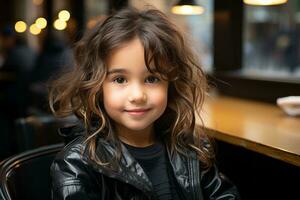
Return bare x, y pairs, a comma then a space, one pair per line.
137, 112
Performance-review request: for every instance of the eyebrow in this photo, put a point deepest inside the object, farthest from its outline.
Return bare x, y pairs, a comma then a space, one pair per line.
117, 70
120, 70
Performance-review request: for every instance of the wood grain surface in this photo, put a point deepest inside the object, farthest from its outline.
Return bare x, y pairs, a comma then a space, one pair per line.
257, 126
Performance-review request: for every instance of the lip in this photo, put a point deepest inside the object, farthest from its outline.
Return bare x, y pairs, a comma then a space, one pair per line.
137, 112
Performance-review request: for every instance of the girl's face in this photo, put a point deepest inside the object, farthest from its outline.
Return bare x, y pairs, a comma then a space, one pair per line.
133, 97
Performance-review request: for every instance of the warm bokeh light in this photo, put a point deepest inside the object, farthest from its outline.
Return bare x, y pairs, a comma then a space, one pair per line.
59, 24
187, 10
93, 21
41, 22
34, 30
64, 15
37, 2
20, 26
264, 2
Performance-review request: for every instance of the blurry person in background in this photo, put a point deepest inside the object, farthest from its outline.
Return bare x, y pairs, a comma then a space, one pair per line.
55, 55
18, 61
17, 55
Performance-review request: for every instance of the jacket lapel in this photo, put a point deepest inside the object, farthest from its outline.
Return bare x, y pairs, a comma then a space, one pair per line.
129, 172
182, 173
186, 170
131, 169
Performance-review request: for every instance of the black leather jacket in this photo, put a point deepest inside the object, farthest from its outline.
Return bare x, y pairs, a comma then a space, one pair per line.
74, 176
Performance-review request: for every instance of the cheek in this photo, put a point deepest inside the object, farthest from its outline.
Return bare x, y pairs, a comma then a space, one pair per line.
111, 99
160, 98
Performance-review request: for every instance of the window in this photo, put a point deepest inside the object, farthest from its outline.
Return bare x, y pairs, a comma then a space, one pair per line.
271, 40
256, 50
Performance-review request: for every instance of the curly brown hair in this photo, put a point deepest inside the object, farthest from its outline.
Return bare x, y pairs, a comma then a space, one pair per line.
78, 92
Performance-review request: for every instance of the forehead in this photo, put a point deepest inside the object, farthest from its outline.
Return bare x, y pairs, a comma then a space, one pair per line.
129, 56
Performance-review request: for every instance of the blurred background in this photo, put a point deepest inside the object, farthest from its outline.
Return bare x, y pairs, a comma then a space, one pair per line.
248, 51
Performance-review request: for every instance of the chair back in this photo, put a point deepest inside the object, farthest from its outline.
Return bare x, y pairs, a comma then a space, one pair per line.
26, 175
37, 131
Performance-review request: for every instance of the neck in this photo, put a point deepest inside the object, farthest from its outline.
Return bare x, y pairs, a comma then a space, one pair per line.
141, 138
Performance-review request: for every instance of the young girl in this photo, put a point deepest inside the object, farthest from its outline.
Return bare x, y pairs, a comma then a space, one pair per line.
136, 89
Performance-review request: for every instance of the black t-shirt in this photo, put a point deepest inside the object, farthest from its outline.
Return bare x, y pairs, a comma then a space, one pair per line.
154, 162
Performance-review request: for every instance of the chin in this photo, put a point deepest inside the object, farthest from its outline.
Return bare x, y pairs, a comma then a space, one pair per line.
137, 127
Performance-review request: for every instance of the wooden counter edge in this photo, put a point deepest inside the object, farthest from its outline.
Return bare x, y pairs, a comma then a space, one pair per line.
256, 147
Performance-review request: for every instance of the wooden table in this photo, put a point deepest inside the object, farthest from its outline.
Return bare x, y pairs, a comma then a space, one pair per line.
256, 126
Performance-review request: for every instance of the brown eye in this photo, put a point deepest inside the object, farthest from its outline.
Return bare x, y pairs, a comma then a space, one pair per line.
119, 80
152, 79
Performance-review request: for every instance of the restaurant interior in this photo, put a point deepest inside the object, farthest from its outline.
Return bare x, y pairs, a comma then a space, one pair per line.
249, 50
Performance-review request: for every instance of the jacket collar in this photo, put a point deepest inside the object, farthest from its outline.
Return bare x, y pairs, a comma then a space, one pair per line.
185, 169
132, 173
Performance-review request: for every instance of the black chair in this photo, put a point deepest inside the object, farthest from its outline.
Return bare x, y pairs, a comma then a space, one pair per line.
26, 175
37, 131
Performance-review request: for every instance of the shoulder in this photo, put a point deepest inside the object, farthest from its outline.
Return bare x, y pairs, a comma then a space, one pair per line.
72, 150
70, 172
73, 160
69, 164
215, 185
70, 156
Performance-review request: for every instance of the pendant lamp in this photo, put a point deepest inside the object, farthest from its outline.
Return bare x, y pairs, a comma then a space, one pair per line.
187, 7
264, 2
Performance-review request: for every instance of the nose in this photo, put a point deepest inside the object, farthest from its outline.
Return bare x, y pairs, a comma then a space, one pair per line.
137, 94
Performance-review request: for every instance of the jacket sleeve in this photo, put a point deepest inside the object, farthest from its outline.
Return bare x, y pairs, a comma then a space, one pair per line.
217, 186
72, 180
